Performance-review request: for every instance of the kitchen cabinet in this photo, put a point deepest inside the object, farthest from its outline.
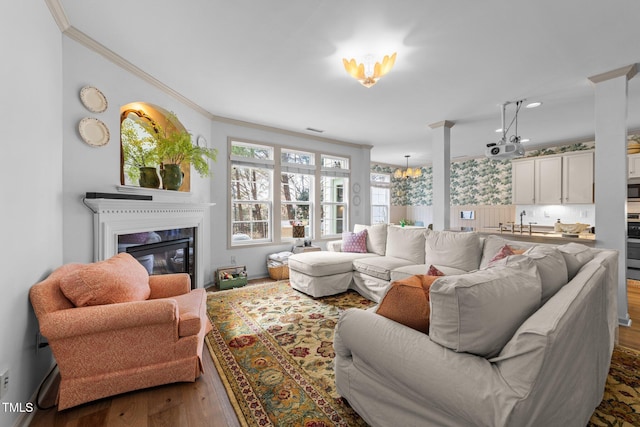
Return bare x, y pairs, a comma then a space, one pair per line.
523, 182
577, 178
634, 165
548, 179
554, 180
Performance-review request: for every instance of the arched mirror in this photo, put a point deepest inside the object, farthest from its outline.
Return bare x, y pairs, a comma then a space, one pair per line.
146, 131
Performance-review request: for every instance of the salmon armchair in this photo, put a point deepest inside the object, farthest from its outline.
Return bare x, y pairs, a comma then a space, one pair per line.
104, 346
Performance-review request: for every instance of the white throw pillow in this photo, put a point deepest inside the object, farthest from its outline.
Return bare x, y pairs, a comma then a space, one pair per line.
551, 268
575, 255
406, 243
376, 237
453, 249
479, 312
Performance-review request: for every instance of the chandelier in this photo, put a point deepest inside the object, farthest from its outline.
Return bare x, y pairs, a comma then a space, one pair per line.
407, 172
368, 72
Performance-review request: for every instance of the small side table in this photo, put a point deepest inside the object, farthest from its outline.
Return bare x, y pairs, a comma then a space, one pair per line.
302, 249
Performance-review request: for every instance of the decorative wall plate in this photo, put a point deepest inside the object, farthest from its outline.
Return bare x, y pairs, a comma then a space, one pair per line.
93, 99
93, 132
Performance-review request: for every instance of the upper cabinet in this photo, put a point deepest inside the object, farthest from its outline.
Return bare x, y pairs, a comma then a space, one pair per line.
577, 178
523, 182
553, 180
548, 178
634, 166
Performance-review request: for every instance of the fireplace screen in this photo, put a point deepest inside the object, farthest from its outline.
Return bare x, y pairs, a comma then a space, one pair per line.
162, 251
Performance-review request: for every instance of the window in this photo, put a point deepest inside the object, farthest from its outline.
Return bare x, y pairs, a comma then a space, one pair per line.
311, 190
380, 197
296, 184
251, 193
334, 185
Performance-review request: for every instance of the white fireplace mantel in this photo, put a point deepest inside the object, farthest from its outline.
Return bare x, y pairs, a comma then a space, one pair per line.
114, 217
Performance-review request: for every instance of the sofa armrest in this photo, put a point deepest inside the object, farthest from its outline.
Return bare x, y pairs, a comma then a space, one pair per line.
169, 285
100, 318
334, 246
416, 368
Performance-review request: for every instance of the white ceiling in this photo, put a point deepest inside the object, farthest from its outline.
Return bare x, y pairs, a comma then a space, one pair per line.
279, 63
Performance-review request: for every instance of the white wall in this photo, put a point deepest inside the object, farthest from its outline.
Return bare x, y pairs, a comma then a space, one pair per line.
255, 258
31, 194
88, 168
549, 214
97, 169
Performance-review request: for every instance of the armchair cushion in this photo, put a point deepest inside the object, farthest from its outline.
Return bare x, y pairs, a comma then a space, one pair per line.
120, 278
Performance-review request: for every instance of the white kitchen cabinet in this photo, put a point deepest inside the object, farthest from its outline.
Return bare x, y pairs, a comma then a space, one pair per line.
548, 178
577, 178
634, 165
554, 180
523, 182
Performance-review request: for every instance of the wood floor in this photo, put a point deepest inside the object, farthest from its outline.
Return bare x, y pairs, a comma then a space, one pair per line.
205, 403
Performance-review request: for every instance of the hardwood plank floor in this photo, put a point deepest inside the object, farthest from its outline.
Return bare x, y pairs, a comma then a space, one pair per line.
205, 403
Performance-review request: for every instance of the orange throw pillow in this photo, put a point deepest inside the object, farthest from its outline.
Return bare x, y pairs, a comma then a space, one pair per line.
407, 302
120, 278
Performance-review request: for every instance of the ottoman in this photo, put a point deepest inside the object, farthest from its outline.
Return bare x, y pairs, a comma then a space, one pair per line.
323, 273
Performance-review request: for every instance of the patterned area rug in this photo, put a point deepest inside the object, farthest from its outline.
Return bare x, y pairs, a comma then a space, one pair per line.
621, 403
273, 348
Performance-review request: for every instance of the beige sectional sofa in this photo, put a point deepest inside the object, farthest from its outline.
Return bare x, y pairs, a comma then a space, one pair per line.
392, 253
526, 341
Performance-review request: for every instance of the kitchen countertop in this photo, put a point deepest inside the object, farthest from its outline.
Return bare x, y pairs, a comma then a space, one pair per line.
540, 235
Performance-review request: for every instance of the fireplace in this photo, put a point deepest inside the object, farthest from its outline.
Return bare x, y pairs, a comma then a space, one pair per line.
163, 231
162, 251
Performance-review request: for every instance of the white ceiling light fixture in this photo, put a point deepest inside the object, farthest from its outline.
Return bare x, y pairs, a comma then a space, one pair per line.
533, 104
407, 172
369, 72
507, 148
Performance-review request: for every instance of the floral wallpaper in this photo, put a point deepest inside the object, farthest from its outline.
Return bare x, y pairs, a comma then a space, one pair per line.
479, 181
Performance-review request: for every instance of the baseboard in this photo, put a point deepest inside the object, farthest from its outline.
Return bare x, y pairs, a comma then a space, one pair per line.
24, 420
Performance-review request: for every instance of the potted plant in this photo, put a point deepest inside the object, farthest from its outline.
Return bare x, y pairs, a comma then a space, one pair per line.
174, 147
140, 155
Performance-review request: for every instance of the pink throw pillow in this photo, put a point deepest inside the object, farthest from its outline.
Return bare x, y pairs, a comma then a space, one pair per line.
120, 278
434, 271
504, 252
354, 242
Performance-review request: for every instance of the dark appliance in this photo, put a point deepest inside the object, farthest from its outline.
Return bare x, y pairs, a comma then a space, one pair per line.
633, 192
633, 246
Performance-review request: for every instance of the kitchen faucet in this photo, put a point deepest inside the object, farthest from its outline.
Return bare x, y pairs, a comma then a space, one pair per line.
523, 213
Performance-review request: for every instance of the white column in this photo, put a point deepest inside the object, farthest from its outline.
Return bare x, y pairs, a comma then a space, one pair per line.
441, 151
611, 171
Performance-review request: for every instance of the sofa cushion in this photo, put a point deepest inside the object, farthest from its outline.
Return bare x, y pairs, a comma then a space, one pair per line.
354, 242
407, 302
479, 312
406, 243
413, 269
376, 237
550, 264
379, 266
453, 249
552, 269
493, 244
324, 263
575, 255
120, 278
504, 252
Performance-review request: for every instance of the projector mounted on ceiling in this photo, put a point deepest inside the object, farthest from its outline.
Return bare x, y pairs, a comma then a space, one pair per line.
503, 149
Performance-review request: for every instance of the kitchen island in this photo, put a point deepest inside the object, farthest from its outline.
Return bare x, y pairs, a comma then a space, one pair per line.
541, 234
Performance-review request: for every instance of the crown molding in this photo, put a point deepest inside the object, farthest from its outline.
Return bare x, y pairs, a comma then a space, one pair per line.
629, 71
60, 17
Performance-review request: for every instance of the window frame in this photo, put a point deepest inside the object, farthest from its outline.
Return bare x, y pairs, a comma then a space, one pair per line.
278, 166
377, 185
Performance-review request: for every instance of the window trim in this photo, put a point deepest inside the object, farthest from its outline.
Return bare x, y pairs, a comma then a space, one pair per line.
278, 167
